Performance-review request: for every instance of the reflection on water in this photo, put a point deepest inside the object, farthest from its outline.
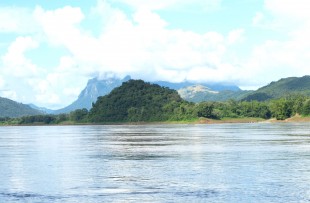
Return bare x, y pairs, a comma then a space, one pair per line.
156, 163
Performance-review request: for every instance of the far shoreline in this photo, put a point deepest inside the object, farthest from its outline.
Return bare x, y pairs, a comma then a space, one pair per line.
207, 121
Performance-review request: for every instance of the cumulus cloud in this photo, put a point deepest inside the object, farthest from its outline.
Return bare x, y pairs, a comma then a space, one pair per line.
2, 82
17, 20
135, 44
288, 54
297, 9
10, 94
235, 36
258, 18
171, 4
141, 44
60, 25
15, 62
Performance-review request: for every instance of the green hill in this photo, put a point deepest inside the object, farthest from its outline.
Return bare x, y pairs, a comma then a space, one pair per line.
137, 100
281, 88
10, 108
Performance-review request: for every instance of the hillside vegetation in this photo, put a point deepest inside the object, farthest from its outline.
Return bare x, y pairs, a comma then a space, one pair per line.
10, 108
281, 88
137, 100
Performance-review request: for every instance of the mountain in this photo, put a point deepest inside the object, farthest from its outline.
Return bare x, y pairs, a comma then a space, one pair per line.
10, 108
213, 86
96, 87
280, 88
42, 109
199, 93
92, 91
137, 100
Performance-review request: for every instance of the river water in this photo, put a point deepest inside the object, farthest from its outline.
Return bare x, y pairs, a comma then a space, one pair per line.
156, 163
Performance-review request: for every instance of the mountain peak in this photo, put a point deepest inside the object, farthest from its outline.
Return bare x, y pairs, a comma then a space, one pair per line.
193, 90
95, 87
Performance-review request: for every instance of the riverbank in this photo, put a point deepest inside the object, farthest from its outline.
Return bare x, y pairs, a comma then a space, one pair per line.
296, 118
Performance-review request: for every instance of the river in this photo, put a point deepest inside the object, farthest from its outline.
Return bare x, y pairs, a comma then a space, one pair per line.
261, 162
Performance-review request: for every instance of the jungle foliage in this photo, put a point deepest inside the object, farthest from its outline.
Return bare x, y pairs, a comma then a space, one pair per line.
138, 101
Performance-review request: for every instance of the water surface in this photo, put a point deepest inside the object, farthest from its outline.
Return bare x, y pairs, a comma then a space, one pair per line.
156, 163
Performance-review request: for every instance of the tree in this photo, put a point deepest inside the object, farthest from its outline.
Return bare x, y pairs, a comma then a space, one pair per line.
205, 109
281, 109
79, 115
306, 108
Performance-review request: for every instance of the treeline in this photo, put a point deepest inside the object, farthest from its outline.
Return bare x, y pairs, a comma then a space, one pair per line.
280, 109
137, 101
77, 116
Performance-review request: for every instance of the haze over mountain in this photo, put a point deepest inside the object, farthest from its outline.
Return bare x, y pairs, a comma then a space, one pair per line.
10, 108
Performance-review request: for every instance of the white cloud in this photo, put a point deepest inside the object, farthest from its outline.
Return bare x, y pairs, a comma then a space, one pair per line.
297, 9
48, 98
61, 85
2, 82
10, 94
60, 25
275, 59
72, 92
258, 18
142, 45
284, 15
148, 19
235, 36
171, 4
16, 20
139, 45
14, 61
286, 55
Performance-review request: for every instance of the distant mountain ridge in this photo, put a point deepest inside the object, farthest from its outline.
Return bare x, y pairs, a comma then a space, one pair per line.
274, 90
280, 88
194, 92
212, 86
41, 109
199, 93
96, 87
12, 109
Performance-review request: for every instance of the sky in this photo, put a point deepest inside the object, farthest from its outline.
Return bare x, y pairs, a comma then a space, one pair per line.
50, 49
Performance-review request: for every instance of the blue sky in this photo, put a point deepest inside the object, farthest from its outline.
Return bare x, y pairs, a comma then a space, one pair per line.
49, 49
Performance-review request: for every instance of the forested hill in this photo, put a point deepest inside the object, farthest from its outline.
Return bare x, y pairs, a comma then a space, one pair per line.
281, 88
10, 108
137, 100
